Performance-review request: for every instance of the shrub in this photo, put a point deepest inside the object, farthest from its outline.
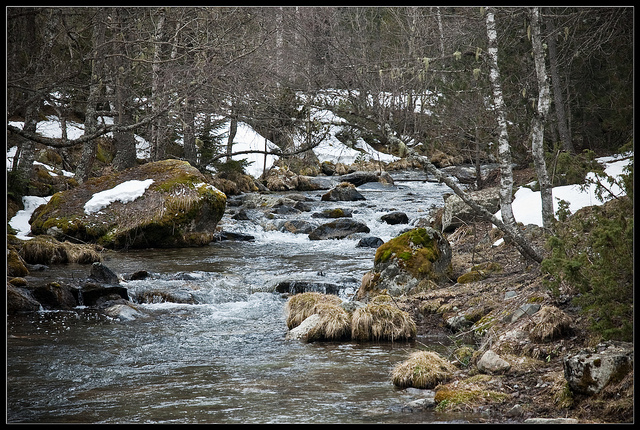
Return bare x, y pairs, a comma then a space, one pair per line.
592, 259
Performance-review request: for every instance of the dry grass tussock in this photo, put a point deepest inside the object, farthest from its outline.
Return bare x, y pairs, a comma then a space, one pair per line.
382, 321
335, 323
301, 306
47, 250
423, 369
552, 323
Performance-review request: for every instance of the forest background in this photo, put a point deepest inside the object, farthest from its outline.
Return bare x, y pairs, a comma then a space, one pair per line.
408, 80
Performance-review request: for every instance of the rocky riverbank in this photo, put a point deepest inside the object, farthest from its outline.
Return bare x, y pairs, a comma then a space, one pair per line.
521, 354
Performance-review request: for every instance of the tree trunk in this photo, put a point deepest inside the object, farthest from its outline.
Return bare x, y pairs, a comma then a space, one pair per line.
95, 88
189, 132
558, 95
504, 150
538, 122
157, 88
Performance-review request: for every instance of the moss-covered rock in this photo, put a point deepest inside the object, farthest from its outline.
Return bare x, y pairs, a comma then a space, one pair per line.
180, 208
403, 263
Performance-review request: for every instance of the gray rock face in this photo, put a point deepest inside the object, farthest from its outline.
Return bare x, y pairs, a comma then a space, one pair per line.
590, 371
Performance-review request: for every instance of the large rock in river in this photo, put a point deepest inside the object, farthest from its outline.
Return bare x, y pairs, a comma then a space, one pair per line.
178, 208
421, 255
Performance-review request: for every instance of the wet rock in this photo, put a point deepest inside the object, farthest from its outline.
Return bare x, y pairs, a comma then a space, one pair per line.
54, 296
123, 312
370, 242
298, 226
301, 286
360, 177
343, 192
102, 274
333, 213
20, 300
285, 210
394, 218
241, 215
301, 332
338, 229
232, 236
91, 294
588, 372
490, 362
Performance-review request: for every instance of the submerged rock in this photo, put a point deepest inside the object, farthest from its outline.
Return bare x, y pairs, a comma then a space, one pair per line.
179, 208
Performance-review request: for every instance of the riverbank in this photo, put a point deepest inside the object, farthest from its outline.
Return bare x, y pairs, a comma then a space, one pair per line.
534, 386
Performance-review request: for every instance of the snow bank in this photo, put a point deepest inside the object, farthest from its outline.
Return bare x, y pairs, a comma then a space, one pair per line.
20, 222
527, 204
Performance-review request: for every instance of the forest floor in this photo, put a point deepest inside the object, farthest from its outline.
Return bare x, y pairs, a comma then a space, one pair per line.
534, 386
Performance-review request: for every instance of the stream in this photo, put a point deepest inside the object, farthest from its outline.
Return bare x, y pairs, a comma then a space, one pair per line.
220, 355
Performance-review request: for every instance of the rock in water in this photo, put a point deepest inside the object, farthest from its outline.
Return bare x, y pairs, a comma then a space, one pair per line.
338, 229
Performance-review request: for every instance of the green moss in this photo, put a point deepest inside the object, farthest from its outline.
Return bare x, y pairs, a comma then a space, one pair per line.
415, 249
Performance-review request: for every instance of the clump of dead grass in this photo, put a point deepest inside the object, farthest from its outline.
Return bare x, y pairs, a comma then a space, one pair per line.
423, 369
382, 320
47, 250
334, 323
551, 323
300, 306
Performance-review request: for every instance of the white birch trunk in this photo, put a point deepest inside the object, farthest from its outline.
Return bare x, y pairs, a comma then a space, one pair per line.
504, 150
157, 138
538, 122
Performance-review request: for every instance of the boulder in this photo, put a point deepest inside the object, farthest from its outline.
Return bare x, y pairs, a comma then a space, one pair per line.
457, 213
54, 296
333, 213
401, 264
19, 300
370, 242
178, 208
588, 372
394, 218
344, 191
102, 274
490, 362
338, 229
298, 226
301, 286
361, 177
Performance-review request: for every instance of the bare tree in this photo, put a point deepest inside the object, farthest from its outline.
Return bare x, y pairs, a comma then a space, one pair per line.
539, 119
504, 149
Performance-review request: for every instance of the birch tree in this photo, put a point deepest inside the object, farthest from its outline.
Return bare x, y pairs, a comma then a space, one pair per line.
504, 150
539, 119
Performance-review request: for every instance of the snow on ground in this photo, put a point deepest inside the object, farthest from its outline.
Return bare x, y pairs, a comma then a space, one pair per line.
125, 192
527, 204
20, 222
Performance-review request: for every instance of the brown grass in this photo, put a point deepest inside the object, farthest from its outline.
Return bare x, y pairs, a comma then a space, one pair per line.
381, 320
423, 369
300, 306
335, 323
47, 250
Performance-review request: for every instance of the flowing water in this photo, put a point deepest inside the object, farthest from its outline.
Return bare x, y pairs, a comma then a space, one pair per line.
220, 354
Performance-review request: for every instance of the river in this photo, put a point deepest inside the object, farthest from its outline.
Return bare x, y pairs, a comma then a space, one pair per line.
219, 356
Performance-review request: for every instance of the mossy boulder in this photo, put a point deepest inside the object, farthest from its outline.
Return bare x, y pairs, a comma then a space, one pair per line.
402, 263
180, 208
